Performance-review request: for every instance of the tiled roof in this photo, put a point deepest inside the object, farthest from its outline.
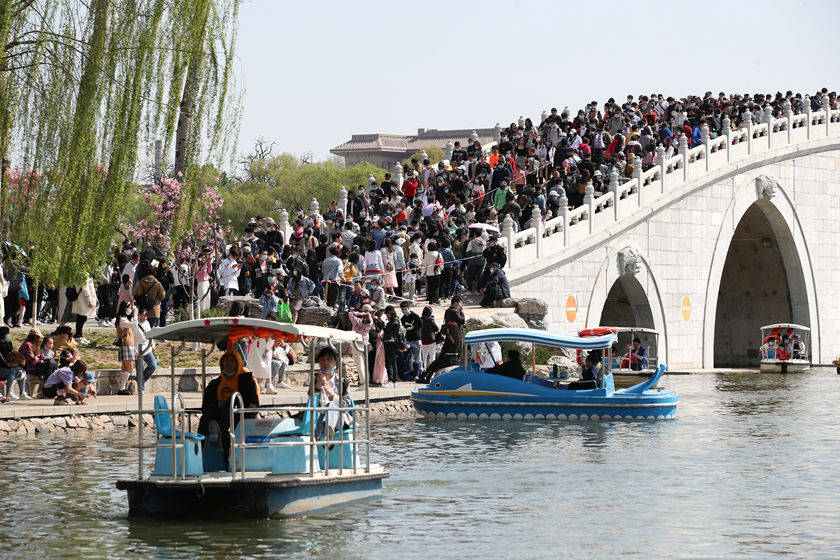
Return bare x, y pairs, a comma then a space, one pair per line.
403, 143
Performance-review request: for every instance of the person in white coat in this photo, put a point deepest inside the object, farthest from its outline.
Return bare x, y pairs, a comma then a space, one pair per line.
84, 307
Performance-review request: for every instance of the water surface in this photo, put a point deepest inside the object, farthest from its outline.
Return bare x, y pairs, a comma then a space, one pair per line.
749, 469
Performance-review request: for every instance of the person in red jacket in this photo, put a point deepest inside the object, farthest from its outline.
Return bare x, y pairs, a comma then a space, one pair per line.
410, 185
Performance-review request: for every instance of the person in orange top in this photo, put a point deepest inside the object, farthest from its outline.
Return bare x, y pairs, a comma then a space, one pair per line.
494, 157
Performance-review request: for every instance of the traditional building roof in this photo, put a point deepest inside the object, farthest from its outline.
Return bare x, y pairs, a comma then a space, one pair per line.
394, 147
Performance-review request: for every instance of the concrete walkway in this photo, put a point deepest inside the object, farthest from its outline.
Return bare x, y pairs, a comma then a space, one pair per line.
115, 404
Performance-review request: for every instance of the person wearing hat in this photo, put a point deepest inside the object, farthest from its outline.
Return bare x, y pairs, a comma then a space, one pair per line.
215, 402
393, 337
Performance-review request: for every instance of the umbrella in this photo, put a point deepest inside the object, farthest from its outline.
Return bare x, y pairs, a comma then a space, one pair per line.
11, 245
488, 227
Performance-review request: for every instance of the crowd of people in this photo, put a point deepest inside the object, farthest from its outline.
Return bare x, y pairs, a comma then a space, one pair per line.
432, 234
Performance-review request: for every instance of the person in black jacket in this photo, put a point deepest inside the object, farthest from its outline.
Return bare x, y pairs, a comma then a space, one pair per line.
449, 354
215, 403
511, 368
393, 338
497, 287
412, 323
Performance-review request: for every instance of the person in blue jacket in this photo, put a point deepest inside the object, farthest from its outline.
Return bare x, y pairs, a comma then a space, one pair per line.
638, 356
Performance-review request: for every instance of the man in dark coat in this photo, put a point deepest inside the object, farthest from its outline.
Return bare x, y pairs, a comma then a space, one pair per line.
497, 287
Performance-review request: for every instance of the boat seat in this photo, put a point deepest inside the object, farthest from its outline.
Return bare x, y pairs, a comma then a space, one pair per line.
192, 449
582, 385
163, 422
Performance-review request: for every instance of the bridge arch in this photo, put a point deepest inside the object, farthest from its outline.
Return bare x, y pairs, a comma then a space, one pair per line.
625, 292
761, 272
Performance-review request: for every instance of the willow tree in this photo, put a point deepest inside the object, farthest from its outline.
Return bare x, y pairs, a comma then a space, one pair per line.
85, 89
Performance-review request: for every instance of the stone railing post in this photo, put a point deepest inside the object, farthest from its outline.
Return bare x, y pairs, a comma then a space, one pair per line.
824, 105
447, 151
342, 202
768, 118
706, 136
537, 224
789, 116
726, 129
660, 161
614, 190
748, 123
807, 111
283, 224
314, 209
497, 132
564, 213
637, 174
684, 154
521, 121
398, 175
370, 180
544, 115
589, 202
507, 232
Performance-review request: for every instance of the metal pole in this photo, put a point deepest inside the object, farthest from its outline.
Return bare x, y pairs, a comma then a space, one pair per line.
203, 370
367, 414
172, 437
340, 414
140, 385
311, 404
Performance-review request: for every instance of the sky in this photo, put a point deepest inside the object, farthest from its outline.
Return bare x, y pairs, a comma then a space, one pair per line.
316, 72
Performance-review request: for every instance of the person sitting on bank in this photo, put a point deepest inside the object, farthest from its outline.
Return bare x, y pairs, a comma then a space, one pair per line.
638, 356
215, 403
497, 287
60, 384
511, 368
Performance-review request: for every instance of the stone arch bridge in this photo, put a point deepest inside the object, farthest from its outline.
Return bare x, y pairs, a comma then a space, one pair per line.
738, 232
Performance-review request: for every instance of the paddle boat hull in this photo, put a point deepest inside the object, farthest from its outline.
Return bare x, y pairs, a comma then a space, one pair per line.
469, 393
258, 495
785, 366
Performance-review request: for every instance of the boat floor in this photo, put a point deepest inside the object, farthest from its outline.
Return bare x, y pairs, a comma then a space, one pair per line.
264, 477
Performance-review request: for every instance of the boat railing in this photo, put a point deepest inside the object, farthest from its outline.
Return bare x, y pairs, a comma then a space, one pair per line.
316, 414
238, 466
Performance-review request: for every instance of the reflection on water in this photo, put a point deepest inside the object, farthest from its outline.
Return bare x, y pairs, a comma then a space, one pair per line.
748, 469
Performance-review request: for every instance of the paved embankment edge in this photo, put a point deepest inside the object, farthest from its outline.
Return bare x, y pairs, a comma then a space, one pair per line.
35, 417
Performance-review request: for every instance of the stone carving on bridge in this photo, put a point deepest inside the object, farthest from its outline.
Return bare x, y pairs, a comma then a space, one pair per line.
629, 262
765, 187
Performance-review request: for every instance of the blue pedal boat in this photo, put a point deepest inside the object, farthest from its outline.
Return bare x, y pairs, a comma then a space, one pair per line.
276, 467
468, 392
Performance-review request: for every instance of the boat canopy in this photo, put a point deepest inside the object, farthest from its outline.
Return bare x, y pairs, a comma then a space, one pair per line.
596, 331
793, 326
214, 329
536, 336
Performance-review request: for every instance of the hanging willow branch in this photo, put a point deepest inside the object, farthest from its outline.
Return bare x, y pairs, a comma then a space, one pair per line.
85, 89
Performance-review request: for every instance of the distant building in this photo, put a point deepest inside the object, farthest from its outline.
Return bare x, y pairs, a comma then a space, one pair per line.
384, 150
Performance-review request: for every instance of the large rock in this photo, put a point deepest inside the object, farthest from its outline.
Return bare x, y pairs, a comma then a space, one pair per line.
567, 366
315, 315
253, 305
531, 306
508, 319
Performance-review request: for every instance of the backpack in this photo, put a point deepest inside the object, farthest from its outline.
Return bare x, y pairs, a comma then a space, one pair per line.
143, 301
72, 293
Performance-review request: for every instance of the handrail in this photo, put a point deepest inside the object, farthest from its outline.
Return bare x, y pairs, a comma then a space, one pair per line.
732, 145
236, 396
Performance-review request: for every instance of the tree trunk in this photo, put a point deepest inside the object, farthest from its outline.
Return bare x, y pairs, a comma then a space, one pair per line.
5, 113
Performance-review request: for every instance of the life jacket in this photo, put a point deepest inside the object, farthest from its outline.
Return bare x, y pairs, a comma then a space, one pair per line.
228, 385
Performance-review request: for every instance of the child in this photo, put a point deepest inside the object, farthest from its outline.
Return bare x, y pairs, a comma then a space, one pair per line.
47, 348
85, 385
125, 291
269, 303
412, 275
